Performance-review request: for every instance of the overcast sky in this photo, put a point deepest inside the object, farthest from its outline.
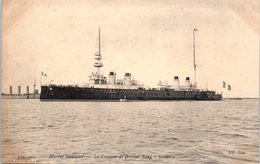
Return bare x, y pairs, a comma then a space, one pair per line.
151, 39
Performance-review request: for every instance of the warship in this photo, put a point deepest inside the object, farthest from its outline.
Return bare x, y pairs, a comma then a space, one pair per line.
102, 88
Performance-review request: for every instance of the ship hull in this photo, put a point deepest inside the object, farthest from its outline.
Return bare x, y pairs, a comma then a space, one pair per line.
107, 94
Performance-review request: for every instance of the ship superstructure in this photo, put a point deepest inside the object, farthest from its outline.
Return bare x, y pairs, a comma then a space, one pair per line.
101, 88
98, 80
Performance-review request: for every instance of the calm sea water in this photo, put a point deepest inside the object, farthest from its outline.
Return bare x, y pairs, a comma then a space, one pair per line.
130, 132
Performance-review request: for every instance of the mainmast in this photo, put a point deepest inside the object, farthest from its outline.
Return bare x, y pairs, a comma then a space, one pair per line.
194, 58
98, 58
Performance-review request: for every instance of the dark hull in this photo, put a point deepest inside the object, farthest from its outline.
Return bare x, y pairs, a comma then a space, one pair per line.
82, 93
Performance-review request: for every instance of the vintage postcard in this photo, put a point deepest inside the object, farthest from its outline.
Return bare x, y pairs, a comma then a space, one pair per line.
133, 81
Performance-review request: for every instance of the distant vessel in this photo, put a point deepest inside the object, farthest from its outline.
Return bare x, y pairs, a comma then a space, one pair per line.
113, 89
20, 95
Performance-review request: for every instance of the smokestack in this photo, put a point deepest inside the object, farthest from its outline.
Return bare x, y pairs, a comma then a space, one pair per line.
127, 79
112, 78
176, 83
160, 83
187, 82
19, 90
27, 90
10, 90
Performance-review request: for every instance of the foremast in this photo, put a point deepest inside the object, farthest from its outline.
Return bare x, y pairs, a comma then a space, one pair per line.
98, 64
96, 78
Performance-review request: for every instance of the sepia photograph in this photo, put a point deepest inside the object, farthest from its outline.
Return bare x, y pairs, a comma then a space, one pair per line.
133, 81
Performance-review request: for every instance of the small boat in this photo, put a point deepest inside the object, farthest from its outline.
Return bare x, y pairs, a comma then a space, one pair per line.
123, 100
235, 98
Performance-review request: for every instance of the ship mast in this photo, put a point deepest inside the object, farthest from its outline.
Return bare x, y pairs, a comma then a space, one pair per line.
98, 57
194, 58
99, 49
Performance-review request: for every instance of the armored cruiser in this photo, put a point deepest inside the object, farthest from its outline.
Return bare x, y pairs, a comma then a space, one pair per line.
112, 89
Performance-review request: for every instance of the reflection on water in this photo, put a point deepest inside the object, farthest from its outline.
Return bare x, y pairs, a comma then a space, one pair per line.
129, 132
